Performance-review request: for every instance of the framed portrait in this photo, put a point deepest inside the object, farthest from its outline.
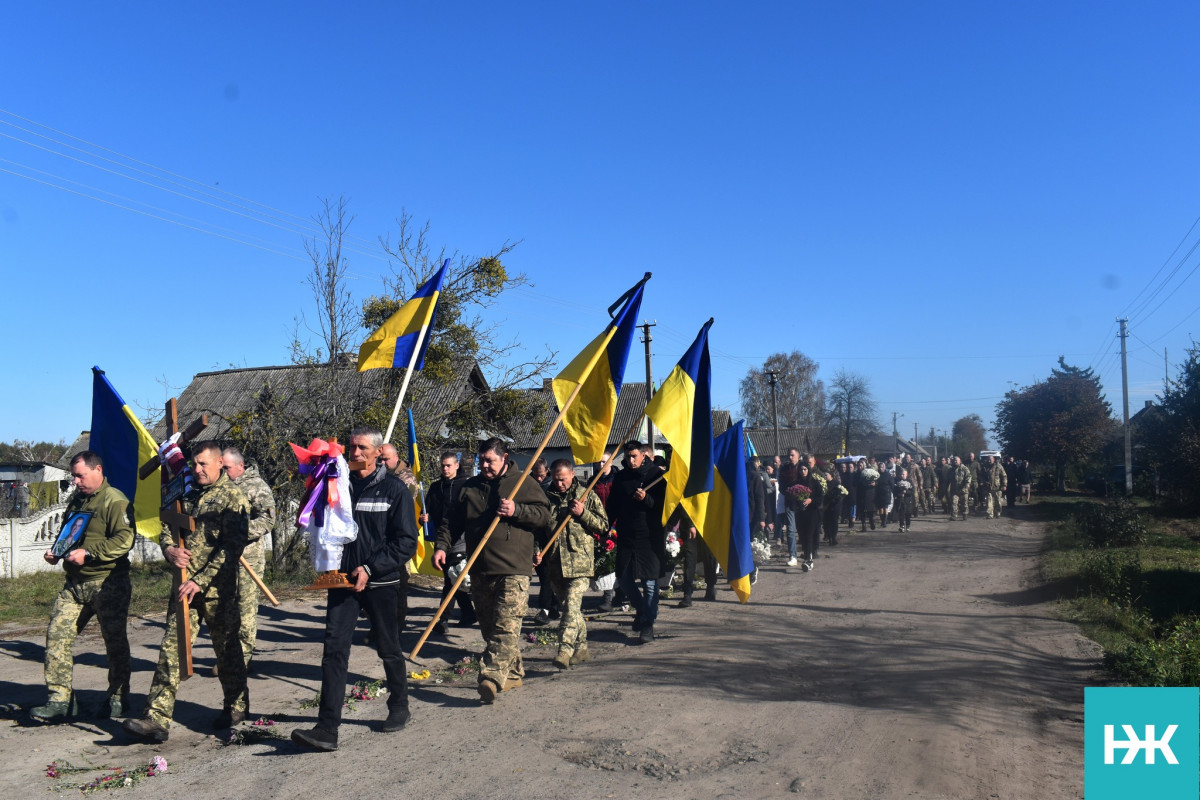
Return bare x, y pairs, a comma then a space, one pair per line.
71, 534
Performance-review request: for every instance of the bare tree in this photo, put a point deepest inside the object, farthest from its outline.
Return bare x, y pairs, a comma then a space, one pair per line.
853, 406
800, 397
338, 319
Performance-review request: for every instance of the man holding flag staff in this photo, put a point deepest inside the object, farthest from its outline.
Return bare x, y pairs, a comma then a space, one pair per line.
500, 575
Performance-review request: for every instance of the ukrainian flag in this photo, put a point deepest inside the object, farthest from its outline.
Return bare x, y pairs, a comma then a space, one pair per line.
598, 372
682, 411
394, 344
422, 561
124, 444
726, 528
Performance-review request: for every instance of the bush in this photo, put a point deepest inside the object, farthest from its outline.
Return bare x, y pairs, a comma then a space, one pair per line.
1170, 661
1111, 575
1114, 524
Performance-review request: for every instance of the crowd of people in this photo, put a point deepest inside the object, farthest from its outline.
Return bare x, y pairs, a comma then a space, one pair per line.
549, 524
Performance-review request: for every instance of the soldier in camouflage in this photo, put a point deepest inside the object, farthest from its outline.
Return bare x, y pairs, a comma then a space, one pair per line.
97, 585
999, 485
959, 490
929, 485
569, 562
500, 575
976, 498
210, 555
262, 522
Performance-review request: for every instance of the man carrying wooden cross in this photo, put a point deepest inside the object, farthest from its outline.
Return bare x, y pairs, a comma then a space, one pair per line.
210, 554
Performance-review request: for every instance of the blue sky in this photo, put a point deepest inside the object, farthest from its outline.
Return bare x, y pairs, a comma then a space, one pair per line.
942, 197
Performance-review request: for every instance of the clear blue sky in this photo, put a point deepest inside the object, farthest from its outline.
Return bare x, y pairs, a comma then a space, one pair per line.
942, 197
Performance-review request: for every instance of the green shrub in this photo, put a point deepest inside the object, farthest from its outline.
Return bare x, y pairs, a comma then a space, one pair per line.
1113, 524
1111, 575
1173, 660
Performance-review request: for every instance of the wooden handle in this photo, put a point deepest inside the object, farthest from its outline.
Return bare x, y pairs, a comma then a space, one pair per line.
254, 577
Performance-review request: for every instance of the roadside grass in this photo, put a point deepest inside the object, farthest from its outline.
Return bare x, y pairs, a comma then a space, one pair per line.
1130, 578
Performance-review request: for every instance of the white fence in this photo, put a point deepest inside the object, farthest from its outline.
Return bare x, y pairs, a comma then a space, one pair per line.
23, 541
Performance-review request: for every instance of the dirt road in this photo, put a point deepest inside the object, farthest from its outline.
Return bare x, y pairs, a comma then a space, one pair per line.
916, 665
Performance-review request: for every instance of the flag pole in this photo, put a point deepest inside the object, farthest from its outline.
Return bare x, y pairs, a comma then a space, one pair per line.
449, 598
412, 362
592, 484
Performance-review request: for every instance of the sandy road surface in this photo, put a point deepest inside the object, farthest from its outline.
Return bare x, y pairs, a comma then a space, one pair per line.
917, 665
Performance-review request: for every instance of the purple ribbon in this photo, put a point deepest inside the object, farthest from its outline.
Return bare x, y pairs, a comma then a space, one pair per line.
316, 496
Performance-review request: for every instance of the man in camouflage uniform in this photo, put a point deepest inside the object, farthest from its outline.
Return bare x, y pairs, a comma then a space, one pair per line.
569, 562
929, 485
97, 585
500, 576
999, 485
210, 555
959, 490
976, 498
262, 522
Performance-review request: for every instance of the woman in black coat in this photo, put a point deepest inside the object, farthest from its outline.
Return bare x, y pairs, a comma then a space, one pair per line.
808, 518
883, 496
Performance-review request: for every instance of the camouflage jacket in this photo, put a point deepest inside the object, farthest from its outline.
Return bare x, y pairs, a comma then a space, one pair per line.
929, 478
108, 537
573, 551
973, 469
222, 515
963, 480
262, 503
999, 478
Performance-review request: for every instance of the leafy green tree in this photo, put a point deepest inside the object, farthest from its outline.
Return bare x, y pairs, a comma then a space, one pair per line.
800, 397
1171, 433
1062, 420
968, 435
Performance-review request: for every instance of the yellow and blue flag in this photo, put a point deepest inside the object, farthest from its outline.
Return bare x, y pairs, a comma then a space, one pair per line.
124, 444
422, 561
726, 528
396, 341
751, 450
682, 410
598, 372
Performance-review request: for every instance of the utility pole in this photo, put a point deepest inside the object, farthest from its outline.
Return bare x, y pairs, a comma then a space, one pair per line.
646, 338
774, 410
915, 435
895, 432
1125, 403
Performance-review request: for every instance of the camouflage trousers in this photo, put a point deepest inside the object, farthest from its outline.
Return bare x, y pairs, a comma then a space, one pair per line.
995, 502
500, 603
572, 627
218, 607
959, 503
248, 597
107, 600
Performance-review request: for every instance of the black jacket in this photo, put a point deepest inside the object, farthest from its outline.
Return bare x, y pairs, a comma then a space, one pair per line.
641, 538
387, 527
756, 495
440, 498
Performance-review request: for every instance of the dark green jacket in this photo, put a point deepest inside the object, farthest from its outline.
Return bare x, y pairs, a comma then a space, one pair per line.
511, 547
109, 534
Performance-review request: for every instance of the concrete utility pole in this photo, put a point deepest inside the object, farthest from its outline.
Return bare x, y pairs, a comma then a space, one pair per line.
774, 410
915, 434
1125, 403
646, 326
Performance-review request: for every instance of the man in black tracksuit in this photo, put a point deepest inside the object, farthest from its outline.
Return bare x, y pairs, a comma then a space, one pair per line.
440, 498
375, 563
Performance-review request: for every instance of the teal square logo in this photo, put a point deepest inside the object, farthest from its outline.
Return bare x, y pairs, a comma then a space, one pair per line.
1141, 742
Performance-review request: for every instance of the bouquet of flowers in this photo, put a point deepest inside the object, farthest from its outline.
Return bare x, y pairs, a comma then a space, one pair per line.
903, 485
760, 548
798, 492
606, 555
672, 544
870, 475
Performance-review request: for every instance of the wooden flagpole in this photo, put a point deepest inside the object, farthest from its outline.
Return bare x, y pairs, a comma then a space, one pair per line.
496, 520
412, 362
591, 485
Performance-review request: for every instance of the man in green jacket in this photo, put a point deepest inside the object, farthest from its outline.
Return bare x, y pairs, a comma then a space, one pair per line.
500, 576
97, 584
570, 560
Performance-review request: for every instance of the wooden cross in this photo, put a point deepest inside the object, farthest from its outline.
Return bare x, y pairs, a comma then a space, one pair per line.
180, 524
